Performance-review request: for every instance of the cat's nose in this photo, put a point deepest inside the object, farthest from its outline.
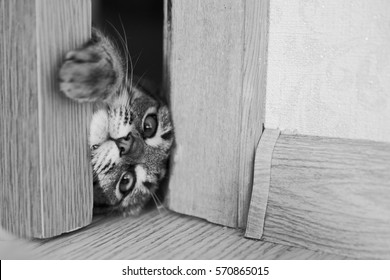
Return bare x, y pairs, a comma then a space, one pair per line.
125, 144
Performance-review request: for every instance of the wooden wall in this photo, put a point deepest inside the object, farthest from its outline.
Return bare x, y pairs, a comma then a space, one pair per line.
46, 182
329, 68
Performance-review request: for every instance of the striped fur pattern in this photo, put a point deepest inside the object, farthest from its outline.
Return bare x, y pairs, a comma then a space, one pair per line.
131, 132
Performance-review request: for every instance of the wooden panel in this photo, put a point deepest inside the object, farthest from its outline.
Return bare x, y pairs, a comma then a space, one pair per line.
46, 179
153, 236
19, 167
214, 84
253, 97
261, 183
330, 194
329, 68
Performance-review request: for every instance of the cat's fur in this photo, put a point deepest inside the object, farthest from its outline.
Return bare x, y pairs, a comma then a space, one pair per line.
131, 133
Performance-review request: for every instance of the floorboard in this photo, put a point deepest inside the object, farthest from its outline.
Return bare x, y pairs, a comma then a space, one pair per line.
153, 235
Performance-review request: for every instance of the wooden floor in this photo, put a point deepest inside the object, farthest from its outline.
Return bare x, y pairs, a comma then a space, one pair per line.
153, 235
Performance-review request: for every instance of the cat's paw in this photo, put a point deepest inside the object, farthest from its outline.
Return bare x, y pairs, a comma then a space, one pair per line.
91, 73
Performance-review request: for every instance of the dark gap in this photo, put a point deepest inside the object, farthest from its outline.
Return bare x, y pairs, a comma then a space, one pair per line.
143, 23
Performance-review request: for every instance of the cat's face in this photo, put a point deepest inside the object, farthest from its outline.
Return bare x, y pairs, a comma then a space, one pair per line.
130, 143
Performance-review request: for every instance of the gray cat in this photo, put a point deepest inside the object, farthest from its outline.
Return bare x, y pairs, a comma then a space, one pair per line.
131, 132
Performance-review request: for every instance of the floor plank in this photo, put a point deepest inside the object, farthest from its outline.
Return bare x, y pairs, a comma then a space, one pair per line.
153, 235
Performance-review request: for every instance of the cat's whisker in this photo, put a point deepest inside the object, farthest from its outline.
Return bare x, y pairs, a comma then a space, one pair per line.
123, 29
133, 67
159, 204
125, 50
132, 77
155, 202
138, 57
139, 80
128, 54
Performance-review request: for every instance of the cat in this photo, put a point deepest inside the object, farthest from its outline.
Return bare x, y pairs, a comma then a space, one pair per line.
131, 132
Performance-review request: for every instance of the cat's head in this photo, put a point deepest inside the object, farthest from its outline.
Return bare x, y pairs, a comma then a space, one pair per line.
130, 143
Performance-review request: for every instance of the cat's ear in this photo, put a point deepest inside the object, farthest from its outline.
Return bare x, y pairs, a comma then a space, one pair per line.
93, 72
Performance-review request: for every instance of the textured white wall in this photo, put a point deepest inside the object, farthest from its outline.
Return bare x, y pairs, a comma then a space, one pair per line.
329, 68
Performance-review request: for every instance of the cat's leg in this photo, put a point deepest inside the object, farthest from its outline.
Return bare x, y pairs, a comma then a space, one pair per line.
94, 72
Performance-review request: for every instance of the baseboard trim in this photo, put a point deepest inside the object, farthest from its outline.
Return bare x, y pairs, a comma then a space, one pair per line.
328, 194
262, 180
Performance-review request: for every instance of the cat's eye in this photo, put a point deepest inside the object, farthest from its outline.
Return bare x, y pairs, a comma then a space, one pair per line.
126, 179
127, 183
150, 126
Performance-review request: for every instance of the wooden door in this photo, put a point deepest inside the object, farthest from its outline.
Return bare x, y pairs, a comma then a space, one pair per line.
45, 177
215, 57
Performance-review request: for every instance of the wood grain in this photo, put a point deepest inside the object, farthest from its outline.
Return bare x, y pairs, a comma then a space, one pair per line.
45, 172
212, 64
19, 169
253, 97
330, 194
154, 235
261, 183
